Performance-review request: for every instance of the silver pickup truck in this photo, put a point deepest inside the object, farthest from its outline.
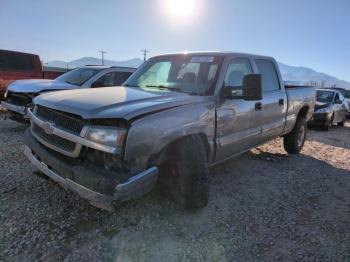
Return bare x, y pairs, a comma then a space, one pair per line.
173, 119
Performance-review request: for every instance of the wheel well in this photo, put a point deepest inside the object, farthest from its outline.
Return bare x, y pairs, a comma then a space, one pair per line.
158, 158
303, 112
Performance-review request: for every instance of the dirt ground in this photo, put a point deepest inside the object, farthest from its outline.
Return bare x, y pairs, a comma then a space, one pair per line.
264, 206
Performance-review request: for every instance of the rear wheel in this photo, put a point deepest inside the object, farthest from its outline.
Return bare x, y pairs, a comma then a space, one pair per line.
294, 141
184, 173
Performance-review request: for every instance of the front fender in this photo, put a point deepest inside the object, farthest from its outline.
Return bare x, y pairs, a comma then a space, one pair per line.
148, 136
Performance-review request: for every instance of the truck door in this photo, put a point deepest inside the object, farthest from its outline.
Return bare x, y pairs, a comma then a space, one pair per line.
236, 132
274, 104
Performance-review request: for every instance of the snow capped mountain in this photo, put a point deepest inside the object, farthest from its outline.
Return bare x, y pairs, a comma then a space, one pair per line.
304, 74
289, 73
95, 61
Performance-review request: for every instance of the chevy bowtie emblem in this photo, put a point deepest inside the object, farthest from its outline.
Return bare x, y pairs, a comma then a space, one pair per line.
48, 127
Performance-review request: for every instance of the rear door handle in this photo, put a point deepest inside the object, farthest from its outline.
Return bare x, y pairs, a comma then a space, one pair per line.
258, 106
281, 102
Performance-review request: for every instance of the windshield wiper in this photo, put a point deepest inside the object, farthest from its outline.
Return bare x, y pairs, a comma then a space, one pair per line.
162, 87
127, 85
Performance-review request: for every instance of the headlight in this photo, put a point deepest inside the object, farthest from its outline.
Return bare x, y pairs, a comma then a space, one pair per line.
324, 110
110, 136
5, 95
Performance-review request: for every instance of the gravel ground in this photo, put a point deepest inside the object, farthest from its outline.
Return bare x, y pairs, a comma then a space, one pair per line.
264, 206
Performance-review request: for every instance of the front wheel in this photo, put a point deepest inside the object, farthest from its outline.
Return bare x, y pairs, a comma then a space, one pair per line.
294, 141
184, 174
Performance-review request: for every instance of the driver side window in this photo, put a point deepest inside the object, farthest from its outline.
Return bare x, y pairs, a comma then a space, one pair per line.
236, 71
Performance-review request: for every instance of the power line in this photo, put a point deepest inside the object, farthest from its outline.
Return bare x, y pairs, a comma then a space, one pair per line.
102, 55
145, 51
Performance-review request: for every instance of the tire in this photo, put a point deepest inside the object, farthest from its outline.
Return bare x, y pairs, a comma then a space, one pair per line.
328, 126
184, 174
294, 141
342, 123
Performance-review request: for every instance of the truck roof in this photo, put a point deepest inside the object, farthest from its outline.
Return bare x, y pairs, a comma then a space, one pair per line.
217, 53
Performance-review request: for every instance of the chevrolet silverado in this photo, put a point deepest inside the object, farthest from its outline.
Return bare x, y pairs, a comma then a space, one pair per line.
173, 119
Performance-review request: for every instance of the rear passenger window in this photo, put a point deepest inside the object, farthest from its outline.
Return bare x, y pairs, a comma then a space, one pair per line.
267, 69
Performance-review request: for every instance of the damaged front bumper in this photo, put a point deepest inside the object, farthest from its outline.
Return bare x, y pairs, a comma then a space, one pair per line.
101, 190
17, 113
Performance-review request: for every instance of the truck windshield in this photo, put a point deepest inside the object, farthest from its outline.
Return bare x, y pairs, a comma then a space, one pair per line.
193, 74
324, 96
78, 76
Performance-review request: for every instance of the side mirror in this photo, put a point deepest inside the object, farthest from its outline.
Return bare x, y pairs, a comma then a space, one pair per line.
252, 87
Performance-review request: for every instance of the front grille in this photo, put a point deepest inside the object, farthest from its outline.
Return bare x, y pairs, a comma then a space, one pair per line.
62, 120
54, 140
18, 99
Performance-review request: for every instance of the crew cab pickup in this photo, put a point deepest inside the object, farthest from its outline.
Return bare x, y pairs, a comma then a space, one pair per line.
19, 94
173, 119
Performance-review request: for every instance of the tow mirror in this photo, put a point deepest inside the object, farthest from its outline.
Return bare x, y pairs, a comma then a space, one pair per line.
251, 90
252, 87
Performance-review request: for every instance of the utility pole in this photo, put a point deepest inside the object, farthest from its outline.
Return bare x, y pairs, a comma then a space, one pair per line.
144, 51
102, 55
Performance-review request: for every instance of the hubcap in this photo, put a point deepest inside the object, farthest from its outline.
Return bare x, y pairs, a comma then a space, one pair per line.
301, 136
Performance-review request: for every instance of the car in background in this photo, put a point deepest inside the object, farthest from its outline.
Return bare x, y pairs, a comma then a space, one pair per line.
330, 109
19, 94
346, 94
19, 65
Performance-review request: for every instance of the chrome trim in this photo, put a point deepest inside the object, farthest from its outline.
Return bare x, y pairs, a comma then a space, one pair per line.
128, 190
65, 182
11, 107
81, 140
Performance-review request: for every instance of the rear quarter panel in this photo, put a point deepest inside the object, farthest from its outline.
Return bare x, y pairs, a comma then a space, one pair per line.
298, 98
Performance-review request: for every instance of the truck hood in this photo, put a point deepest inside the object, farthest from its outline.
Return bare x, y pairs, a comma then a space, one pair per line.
114, 102
38, 85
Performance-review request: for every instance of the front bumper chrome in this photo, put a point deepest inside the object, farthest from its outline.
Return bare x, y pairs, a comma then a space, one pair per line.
50, 129
14, 108
135, 186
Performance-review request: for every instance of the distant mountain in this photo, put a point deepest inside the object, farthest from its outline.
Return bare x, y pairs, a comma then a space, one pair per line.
307, 75
289, 73
94, 61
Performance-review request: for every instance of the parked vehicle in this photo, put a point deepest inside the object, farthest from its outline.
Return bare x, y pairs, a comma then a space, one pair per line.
346, 94
330, 109
20, 93
18, 65
175, 117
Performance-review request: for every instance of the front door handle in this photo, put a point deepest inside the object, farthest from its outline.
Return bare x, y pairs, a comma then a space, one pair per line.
281, 102
258, 106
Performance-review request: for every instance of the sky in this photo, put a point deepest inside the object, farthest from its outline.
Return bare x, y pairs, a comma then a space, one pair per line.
310, 33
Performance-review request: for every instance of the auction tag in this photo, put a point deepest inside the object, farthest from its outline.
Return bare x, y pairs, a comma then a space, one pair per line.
202, 59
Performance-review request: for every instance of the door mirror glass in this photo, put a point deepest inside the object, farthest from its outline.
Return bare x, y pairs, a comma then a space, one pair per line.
250, 90
252, 87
